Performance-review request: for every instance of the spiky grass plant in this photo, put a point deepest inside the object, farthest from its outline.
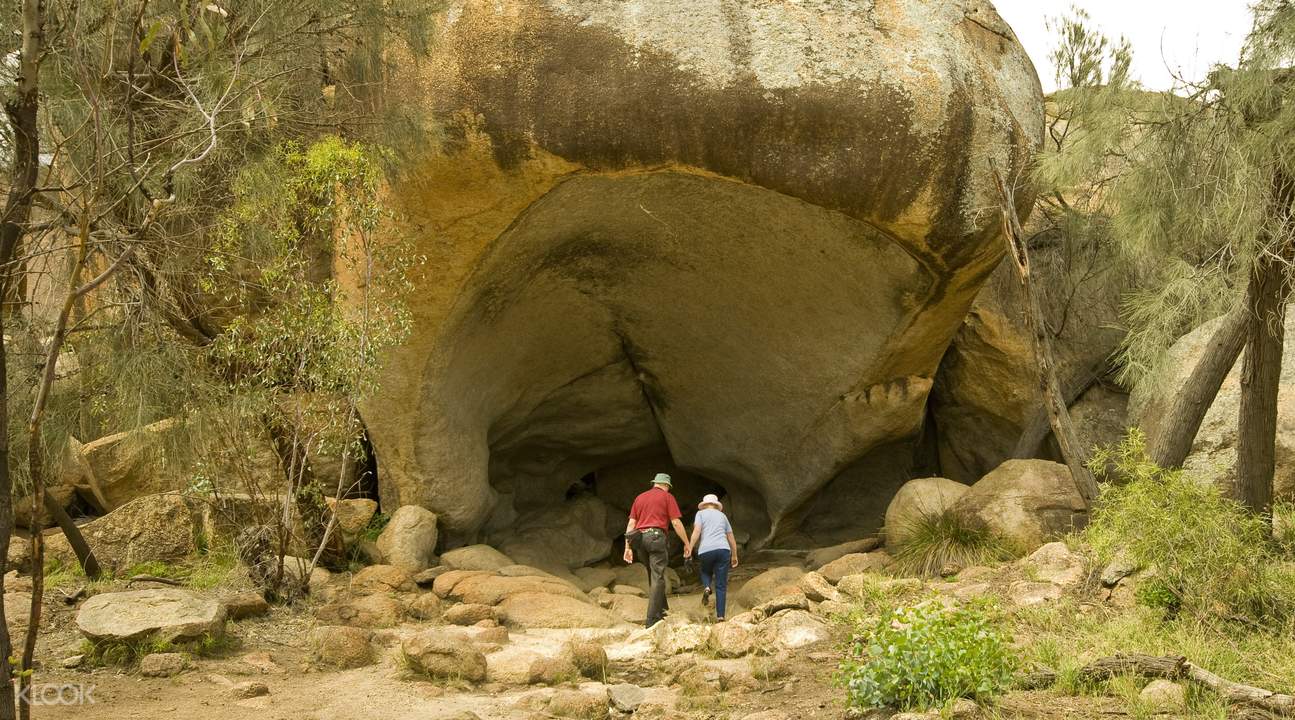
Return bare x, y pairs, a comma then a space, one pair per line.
934, 541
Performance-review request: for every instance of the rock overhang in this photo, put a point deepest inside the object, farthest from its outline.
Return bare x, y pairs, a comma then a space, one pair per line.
662, 227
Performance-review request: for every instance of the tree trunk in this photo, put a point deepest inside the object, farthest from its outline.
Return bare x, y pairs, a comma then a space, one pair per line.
1072, 450
1039, 425
20, 109
1171, 441
1261, 369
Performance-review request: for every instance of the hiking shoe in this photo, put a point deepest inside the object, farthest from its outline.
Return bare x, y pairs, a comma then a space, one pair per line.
705, 597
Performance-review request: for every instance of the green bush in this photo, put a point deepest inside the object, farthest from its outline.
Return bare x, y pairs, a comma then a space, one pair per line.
926, 655
934, 541
1211, 557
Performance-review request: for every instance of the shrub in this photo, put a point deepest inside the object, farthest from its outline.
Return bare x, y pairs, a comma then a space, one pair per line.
1211, 557
935, 541
926, 655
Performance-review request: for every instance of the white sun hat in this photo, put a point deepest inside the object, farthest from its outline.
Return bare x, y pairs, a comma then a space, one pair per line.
710, 500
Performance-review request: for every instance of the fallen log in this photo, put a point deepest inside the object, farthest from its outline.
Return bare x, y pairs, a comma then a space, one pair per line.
1170, 668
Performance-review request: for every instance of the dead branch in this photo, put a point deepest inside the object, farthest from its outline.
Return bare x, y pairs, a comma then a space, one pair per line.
1171, 668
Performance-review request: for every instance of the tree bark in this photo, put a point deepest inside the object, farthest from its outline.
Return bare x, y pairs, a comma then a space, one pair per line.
1039, 425
1072, 450
20, 109
1261, 368
1171, 441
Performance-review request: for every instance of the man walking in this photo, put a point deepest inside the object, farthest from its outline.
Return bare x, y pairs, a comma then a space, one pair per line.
652, 512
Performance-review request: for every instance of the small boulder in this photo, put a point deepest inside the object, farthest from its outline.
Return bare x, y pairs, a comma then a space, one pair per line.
1025, 593
1024, 502
822, 556
340, 646
628, 590
426, 607
792, 601
249, 689
861, 585
1055, 563
543, 610
792, 630
674, 636
731, 639
369, 611
768, 585
577, 705
381, 579
245, 605
468, 614
426, 578
817, 588
1163, 696
625, 697
409, 540
167, 614
594, 577
916, 501
162, 665
353, 515
146, 529
1116, 570
476, 557
437, 654
553, 670
854, 564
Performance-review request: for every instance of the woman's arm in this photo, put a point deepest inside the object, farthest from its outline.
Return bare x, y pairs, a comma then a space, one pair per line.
696, 532
732, 546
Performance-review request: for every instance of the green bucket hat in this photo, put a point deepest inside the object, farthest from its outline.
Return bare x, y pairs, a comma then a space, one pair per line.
662, 479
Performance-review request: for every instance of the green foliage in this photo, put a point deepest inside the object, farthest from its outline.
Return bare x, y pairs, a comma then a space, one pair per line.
294, 249
1211, 557
376, 525
934, 541
1184, 179
926, 655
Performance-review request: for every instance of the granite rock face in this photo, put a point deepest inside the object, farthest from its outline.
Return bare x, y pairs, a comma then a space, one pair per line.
733, 233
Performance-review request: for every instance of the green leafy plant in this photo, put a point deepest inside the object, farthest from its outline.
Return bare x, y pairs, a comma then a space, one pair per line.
925, 655
1211, 557
934, 541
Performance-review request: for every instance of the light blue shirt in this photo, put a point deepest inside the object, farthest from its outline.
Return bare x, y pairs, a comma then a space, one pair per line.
714, 530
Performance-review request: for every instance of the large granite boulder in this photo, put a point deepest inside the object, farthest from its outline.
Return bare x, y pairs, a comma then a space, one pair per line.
166, 614
740, 231
1025, 503
1214, 453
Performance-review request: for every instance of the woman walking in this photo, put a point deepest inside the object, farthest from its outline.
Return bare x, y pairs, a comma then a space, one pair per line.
716, 550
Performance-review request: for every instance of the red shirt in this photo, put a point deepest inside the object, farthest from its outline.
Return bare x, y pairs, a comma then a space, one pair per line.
654, 508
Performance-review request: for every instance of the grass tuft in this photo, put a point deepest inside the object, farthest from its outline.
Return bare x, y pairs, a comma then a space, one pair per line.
935, 541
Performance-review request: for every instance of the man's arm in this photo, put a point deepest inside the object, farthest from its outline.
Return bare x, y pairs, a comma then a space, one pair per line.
732, 546
677, 524
629, 528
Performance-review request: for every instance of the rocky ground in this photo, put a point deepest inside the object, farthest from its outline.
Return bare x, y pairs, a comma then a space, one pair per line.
491, 640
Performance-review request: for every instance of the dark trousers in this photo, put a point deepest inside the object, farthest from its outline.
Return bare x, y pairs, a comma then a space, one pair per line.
654, 553
714, 569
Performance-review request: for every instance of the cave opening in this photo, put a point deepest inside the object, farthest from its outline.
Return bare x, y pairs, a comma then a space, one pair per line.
622, 327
